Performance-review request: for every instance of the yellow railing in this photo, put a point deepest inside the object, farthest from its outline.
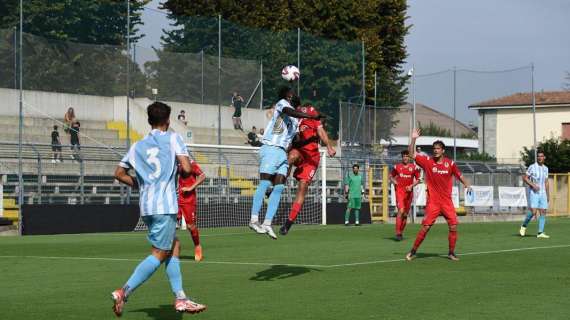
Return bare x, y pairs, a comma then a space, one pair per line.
559, 201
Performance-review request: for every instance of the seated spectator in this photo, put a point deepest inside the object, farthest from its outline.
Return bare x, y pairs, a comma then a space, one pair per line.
260, 134
56, 146
182, 117
252, 138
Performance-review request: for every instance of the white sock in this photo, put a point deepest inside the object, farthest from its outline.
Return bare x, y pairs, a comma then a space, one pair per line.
254, 219
267, 222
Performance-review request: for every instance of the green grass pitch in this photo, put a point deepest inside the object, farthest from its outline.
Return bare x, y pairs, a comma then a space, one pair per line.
316, 272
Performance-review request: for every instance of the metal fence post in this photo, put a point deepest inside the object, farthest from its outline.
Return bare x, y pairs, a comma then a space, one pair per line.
81, 181
39, 179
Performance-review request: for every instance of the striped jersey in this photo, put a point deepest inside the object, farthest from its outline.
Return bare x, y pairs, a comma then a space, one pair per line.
538, 174
154, 161
282, 128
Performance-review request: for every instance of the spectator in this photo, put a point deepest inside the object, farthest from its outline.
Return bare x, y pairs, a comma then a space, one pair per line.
252, 138
419, 151
260, 134
182, 117
237, 103
68, 119
56, 146
74, 139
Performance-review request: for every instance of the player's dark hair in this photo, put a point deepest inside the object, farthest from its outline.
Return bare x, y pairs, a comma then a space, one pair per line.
54, 127
158, 113
439, 143
405, 153
284, 92
540, 151
295, 101
355, 166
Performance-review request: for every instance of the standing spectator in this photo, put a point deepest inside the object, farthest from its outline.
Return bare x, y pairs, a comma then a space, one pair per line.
353, 190
237, 103
56, 146
182, 117
68, 119
252, 138
74, 139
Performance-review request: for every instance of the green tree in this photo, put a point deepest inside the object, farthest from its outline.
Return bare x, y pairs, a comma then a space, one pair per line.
557, 152
434, 130
74, 46
475, 156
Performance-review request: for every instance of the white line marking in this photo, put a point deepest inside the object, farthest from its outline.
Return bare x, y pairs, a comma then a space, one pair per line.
269, 264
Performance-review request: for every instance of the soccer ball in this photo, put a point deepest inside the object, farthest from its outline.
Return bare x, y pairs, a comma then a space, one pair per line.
290, 73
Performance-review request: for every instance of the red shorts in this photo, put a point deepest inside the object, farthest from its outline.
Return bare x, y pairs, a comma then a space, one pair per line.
188, 211
404, 199
307, 165
436, 207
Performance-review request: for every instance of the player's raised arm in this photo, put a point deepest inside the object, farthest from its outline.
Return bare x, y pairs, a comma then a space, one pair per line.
325, 139
412, 146
297, 114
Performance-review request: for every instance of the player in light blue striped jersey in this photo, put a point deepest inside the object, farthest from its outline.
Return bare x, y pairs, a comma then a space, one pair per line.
273, 165
536, 178
154, 160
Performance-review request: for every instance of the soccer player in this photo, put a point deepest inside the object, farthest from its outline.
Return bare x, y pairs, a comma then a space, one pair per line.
439, 173
187, 203
405, 176
273, 158
354, 190
536, 178
305, 156
154, 160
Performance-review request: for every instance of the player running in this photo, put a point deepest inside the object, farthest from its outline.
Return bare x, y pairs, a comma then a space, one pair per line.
187, 204
405, 176
154, 161
536, 178
273, 158
439, 172
305, 156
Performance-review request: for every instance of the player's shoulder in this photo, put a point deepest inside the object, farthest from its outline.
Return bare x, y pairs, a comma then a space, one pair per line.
282, 104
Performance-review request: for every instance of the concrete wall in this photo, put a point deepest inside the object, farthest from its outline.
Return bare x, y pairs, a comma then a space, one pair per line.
488, 132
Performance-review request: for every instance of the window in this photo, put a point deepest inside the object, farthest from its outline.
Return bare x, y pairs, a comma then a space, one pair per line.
566, 130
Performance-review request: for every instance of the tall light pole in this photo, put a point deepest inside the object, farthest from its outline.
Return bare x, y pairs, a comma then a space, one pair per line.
20, 122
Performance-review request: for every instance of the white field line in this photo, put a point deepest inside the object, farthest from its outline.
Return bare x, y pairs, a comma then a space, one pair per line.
269, 264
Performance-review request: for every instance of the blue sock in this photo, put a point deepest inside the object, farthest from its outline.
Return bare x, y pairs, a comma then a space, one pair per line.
274, 199
172, 265
258, 198
527, 219
143, 271
541, 223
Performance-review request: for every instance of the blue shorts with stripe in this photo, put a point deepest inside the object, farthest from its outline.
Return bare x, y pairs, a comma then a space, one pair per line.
161, 230
537, 200
273, 160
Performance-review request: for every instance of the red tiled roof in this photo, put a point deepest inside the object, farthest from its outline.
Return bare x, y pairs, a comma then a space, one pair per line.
525, 99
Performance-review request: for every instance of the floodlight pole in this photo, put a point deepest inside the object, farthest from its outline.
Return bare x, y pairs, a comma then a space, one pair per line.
20, 124
299, 60
128, 55
535, 144
375, 98
261, 85
219, 79
454, 114
415, 206
202, 76
15, 58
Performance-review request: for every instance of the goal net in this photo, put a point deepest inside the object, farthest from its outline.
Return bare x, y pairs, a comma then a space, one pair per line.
232, 175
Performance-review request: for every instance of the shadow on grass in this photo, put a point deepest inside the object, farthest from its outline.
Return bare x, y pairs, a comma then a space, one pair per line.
279, 272
163, 312
420, 255
184, 257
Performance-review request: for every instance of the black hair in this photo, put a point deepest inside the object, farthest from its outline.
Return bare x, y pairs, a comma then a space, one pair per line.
55, 127
405, 153
284, 92
540, 151
355, 166
253, 128
295, 101
440, 143
158, 113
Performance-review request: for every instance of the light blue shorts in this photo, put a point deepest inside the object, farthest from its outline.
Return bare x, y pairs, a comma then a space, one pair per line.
161, 230
537, 200
273, 160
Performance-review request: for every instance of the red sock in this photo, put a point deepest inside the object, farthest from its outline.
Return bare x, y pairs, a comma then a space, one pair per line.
398, 225
452, 237
403, 226
195, 236
419, 238
295, 208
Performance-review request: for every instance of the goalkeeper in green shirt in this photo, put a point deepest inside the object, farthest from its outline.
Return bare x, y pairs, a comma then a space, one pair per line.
354, 190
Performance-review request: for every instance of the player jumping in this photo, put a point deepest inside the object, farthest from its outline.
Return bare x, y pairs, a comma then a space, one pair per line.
405, 176
154, 161
439, 172
536, 178
273, 158
187, 204
305, 156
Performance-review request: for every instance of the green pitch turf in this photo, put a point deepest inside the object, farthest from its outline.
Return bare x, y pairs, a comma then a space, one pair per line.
315, 272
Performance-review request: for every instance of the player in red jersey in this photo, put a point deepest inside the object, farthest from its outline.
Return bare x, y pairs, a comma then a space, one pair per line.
405, 176
439, 172
187, 204
305, 157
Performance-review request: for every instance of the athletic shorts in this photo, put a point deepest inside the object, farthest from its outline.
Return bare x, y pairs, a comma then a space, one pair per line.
273, 160
188, 211
308, 165
404, 199
444, 207
354, 203
161, 230
537, 200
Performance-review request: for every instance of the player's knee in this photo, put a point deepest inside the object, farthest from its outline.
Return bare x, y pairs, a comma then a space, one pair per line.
193, 227
453, 227
426, 227
278, 188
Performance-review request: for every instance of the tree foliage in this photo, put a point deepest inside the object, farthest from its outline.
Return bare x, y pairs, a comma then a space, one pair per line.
557, 152
475, 156
433, 130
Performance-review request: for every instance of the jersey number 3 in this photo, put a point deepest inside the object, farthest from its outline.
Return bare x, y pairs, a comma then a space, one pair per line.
153, 160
